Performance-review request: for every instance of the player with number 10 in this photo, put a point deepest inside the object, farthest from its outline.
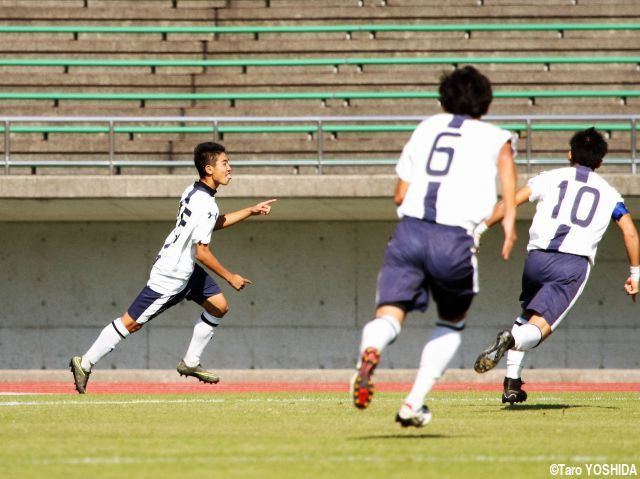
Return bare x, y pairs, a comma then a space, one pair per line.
574, 207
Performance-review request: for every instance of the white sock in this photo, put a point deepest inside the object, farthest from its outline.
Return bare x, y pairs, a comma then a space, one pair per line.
379, 333
436, 355
527, 336
515, 361
107, 340
202, 334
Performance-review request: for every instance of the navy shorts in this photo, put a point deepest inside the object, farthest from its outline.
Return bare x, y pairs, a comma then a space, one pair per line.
150, 303
426, 258
551, 284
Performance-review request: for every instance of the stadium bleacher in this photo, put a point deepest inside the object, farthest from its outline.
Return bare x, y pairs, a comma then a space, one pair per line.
260, 58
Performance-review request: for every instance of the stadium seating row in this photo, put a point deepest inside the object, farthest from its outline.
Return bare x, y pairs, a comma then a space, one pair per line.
260, 58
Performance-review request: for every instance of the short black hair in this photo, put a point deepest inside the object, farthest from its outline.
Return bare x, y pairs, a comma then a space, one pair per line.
465, 91
206, 154
588, 148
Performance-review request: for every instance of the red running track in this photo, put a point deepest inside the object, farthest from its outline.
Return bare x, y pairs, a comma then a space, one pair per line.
271, 387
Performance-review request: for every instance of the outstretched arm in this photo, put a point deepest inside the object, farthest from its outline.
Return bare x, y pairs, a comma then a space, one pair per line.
228, 219
206, 257
632, 245
522, 196
507, 175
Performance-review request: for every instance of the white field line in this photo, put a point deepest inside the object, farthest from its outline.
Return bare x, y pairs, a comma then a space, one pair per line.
88, 402
74, 402
414, 459
22, 394
285, 400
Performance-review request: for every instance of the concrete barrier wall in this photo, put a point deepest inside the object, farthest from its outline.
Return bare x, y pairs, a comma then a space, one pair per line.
314, 285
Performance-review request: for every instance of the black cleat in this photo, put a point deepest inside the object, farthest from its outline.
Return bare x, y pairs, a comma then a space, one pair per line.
489, 358
197, 372
513, 392
80, 376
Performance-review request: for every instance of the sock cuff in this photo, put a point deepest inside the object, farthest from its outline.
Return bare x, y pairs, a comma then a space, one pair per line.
459, 326
119, 327
521, 321
392, 322
209, 319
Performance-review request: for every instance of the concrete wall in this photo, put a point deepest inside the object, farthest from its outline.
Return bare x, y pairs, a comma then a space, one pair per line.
313, 290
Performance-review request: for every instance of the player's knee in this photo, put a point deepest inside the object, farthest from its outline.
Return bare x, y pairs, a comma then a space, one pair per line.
223, 309
219, 310
133, 327
129, 323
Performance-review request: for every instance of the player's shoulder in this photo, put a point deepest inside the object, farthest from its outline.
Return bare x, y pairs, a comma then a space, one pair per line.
578, 174
601, 182
436, 121
487, 132
189, 190
549, 178
565, 171
441, 121
199, 194
478, 124
482, 125
455, 121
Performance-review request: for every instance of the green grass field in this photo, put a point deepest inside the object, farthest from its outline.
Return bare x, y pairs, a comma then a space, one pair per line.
266, 435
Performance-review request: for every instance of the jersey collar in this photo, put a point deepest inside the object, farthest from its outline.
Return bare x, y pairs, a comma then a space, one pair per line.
199, 185
582, 173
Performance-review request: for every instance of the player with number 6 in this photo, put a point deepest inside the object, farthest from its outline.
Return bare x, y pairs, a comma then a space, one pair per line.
446, 186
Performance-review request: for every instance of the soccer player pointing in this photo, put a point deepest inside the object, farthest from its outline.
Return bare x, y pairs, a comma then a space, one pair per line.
574, 208
177, 273
446, 186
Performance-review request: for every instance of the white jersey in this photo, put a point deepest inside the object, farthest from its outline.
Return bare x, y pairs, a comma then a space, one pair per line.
197, 215
575, 206
450, 163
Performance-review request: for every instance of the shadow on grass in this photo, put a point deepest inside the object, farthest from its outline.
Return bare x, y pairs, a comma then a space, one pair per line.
400, 436
549, 407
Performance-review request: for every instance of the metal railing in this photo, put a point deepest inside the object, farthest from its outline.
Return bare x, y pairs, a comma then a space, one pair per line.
371, 29
214, 127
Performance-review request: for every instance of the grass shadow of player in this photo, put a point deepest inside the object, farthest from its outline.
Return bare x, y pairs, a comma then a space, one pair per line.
400, 436
549, 407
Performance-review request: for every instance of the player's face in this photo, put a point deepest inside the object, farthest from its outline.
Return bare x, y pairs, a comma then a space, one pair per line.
221, 170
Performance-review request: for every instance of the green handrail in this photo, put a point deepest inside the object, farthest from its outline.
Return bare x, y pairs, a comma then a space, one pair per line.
305, 128
258, 62
167, 29
345, 95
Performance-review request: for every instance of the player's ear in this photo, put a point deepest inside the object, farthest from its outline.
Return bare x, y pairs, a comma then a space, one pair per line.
569, 157
208, 169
